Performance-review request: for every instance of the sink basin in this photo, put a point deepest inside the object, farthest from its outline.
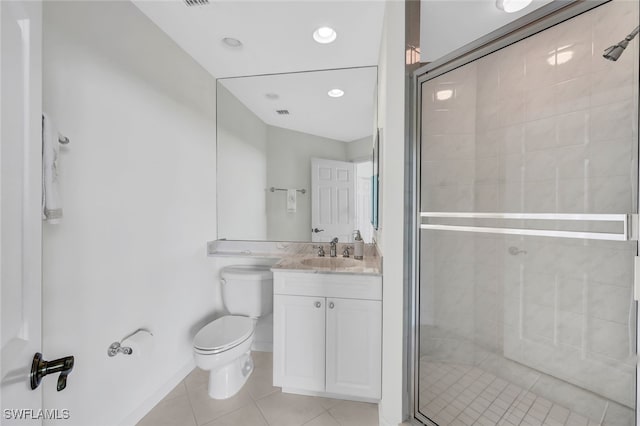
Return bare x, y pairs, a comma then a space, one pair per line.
330, 262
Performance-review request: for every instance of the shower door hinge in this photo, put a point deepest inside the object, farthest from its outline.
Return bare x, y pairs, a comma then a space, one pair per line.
636, 278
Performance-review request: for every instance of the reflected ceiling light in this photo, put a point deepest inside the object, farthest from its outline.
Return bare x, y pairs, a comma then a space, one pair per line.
511, 6
443, 95
324, 35
231, 42
272, 96
560, 56
335, 93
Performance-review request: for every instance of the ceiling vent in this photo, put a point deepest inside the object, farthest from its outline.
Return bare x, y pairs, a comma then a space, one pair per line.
282, 111
196, 2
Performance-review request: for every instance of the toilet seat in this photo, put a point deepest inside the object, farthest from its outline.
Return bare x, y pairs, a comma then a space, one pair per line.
223, 334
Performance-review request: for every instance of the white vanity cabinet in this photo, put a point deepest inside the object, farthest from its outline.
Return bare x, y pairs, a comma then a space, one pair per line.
299, 342
328, 334
353, 347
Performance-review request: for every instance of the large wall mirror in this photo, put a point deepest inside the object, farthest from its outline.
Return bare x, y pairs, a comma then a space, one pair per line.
295, 155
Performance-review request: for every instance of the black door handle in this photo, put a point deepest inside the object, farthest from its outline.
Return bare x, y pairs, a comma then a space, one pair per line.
316, 230
41, 368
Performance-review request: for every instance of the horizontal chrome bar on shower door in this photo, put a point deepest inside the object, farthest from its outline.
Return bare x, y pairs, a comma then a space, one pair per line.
623, 219
535, 216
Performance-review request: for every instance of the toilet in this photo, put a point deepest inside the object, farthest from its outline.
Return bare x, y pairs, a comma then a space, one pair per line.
223, 346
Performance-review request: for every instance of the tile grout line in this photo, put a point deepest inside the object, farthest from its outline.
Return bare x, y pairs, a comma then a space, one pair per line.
193, 412
255, 401
604, 413
535, 382
321, 414
244, 407
260, 409
336, 420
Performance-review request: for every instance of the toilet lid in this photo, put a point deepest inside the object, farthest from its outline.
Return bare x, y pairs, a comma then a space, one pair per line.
223, 333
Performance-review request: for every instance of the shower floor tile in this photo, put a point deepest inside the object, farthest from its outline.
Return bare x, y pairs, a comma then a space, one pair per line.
460, 394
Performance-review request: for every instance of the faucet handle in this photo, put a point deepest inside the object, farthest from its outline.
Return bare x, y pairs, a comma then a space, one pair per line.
320, 250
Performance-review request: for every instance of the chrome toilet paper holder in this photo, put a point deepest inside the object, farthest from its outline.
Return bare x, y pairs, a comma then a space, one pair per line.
115, 348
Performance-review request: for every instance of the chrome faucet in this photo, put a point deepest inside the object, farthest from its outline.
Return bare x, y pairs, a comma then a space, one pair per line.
332, 250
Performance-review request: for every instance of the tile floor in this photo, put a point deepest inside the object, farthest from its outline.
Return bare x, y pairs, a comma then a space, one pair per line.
257, 404
458, 394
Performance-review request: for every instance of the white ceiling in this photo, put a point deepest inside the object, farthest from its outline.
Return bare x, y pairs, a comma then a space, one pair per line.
311, 110
277, 37
447, 25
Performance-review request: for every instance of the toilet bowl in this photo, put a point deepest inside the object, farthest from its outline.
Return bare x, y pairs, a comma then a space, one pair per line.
223, 347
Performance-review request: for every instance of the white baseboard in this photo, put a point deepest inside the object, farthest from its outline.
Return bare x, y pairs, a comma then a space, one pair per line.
329, 395
384, 422
137, 415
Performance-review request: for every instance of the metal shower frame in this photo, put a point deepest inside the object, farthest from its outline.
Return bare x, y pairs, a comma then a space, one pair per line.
539, 20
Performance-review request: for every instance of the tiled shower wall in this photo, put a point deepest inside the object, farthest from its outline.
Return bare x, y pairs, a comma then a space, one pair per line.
545, 125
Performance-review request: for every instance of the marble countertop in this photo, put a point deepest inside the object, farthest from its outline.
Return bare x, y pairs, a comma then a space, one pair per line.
294, 261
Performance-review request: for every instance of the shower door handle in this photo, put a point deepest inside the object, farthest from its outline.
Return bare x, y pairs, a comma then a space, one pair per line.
628, 222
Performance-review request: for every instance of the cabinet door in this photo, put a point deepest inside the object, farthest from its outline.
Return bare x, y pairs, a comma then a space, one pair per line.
298, 342
354, 338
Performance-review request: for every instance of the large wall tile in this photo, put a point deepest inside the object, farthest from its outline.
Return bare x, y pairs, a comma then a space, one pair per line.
545, 125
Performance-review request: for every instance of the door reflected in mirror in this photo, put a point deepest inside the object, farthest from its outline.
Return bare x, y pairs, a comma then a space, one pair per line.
295, 163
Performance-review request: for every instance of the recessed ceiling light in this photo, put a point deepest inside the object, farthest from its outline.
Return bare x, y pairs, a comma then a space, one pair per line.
324, 35
335, 93
443, 95
272, 96
511, 6
231, 42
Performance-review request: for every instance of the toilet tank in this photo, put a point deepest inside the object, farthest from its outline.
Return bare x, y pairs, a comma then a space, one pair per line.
247, 290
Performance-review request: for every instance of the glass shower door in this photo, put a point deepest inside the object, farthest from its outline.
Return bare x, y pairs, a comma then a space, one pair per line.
528, 187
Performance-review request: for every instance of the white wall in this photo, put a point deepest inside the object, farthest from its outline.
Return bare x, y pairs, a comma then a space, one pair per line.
138, 182
390, 233
360, 149
242, 148
289, 166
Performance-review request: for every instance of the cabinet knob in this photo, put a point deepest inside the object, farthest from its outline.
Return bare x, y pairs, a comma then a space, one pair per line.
318, 304
331, 305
